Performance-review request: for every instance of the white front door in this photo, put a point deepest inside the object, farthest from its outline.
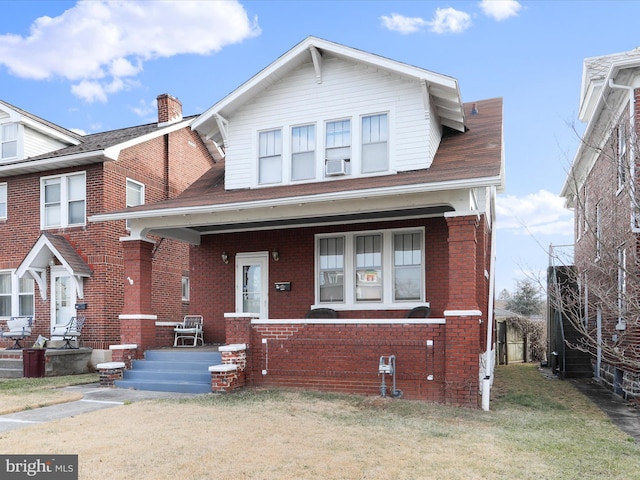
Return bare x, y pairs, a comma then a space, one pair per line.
63, 297
252, 283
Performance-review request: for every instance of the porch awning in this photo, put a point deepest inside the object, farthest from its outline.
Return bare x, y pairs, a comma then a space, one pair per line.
48, 247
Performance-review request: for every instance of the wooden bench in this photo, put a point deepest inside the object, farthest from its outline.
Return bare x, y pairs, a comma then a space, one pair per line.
17, 328
189, 329
70, 331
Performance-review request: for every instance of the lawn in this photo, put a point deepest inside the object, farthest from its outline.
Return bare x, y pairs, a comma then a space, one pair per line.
536, 429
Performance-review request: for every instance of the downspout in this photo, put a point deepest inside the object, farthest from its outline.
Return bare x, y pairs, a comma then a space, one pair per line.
488, 361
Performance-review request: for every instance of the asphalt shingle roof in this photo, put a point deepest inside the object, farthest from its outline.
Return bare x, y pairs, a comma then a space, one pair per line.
476, 153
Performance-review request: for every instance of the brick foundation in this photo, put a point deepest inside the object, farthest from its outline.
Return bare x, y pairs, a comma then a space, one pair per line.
110, 372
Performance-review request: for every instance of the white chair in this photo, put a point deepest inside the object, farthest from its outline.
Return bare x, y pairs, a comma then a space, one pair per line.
189, 329
70, 331
17, 328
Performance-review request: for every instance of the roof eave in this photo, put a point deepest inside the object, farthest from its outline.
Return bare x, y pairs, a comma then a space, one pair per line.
496, 181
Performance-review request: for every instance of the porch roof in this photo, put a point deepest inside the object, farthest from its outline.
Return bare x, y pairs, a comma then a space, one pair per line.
47, 247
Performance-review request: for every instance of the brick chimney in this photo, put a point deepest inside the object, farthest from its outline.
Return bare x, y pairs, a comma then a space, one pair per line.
169, 109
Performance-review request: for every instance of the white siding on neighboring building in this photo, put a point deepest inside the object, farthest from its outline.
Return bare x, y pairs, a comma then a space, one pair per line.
35, 143
347, 90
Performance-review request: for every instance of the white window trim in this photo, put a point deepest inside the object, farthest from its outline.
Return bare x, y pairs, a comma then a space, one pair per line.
5, 197
142, 194
64, 201
186, 287
287, 171
388, 270
621, 167
360, 134
16, 294
19, 143
285, 141
320, 125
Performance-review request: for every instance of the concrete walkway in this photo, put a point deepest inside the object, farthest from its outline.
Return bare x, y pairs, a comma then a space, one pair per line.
624, 415
621, 413
93, 398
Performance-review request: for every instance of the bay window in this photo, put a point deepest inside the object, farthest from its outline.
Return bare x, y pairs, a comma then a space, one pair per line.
378, 268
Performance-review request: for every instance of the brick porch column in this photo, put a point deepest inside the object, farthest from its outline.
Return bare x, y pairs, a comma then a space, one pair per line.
463, 314
137, 322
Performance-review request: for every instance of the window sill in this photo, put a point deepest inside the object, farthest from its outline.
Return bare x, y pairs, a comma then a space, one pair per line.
370, 306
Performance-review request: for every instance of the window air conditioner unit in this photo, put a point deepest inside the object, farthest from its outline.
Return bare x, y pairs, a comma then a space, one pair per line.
336, 167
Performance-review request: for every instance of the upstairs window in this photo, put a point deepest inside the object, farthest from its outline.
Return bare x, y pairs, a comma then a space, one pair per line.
598, 231
338, 148
303, 152
270, 157
63, 201
622, 157
135, 194
375, 134
9, 141
622, 283
3, 200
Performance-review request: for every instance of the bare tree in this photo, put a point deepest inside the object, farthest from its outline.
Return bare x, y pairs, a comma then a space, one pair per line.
598, 292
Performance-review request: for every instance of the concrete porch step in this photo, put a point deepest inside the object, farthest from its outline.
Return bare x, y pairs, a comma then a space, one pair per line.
172, 370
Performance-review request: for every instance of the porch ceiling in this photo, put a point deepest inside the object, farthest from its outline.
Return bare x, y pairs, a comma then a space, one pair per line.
192, 233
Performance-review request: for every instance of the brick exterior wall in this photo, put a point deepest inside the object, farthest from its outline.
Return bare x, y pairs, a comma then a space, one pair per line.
435, 361
601, 188
166, 166
213, 282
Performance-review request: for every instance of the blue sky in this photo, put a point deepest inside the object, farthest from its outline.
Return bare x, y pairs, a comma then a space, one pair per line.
95, 66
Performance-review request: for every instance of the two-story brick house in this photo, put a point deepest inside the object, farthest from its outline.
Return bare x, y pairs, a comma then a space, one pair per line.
601, 187
51, 181
354, 184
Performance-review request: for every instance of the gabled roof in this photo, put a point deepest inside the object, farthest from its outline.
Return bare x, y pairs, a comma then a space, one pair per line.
602, 77
473, 159
597, 72
43, 251
442, 89
92, 148
40, 124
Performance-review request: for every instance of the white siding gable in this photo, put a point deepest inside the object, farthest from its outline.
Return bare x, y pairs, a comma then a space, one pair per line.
347, 90
36, 143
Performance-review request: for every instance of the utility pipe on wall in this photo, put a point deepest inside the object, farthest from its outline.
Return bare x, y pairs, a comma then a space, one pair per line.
488, 371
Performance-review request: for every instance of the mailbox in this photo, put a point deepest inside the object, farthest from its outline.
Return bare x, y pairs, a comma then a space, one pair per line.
283, 286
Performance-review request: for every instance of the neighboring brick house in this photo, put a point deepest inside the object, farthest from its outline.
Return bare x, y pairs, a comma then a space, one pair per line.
353, 183
51, 181
601, 188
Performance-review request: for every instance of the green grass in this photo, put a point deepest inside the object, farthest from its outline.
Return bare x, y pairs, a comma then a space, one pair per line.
22, 386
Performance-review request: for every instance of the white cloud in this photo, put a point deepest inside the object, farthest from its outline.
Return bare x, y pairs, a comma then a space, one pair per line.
102, 45
500, 9
146, 110
402, 24
450, 20
541, 213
